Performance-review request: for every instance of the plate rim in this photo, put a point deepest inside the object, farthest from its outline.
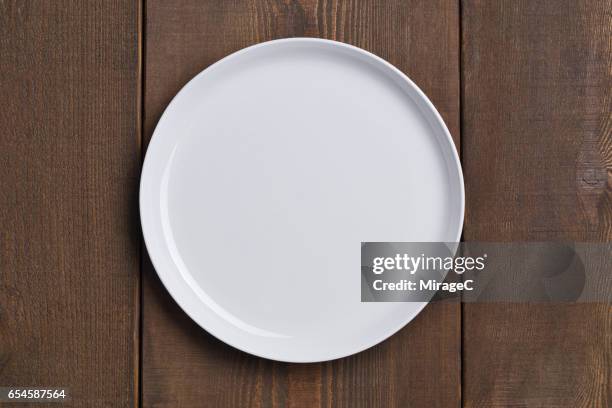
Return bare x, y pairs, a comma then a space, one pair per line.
421, 100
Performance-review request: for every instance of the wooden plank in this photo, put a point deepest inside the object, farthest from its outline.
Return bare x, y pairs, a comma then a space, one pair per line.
538, 163
182, 364
69, 251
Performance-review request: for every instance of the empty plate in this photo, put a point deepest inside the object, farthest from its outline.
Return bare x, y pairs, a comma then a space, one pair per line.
265, 174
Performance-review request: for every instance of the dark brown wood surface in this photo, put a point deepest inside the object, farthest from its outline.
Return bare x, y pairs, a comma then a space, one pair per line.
69, 168
185, 367
535, 79
537, 157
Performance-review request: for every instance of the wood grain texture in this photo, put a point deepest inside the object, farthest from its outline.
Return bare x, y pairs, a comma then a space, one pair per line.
69, 249
537, 150
183, 366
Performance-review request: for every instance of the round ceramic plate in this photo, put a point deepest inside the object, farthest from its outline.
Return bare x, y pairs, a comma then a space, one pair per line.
265, 174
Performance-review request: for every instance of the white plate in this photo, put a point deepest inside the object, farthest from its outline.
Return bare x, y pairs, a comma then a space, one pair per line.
265, 174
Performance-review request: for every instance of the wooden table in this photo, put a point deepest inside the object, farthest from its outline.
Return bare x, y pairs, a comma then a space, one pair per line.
524, 87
